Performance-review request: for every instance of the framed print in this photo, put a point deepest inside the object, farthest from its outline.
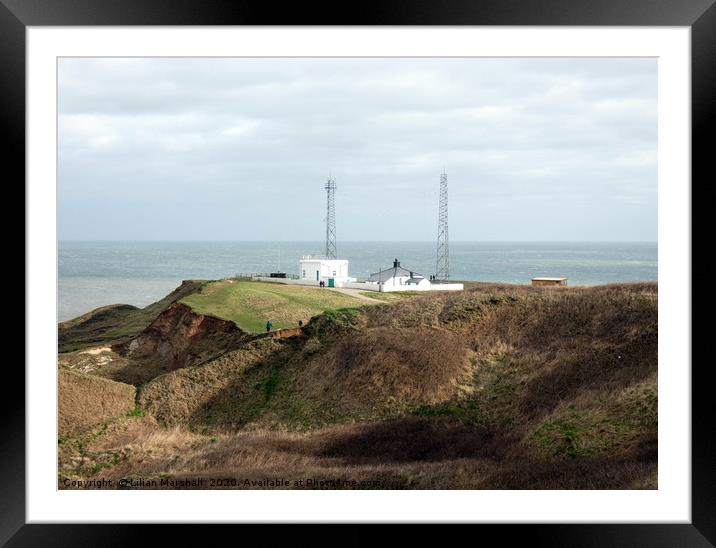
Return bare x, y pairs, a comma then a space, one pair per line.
420, 266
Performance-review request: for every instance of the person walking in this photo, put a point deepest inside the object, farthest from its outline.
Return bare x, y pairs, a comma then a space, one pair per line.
269, 325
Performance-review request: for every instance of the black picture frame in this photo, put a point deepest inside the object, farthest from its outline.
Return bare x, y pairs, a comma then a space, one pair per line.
699, 15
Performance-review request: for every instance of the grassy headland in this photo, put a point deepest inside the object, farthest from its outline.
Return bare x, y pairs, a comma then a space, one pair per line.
250, 304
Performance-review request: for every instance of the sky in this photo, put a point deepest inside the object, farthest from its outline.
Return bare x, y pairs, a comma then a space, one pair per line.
535, 149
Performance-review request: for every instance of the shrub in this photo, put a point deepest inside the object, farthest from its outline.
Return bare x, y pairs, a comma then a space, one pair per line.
334, 322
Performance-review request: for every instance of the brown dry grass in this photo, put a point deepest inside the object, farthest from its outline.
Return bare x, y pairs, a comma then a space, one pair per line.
85, 402
401, 454
375, 374
494, 387
513, 354
176, 397
386, 371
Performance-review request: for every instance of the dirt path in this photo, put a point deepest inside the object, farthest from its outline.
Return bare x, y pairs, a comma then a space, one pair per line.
357, 294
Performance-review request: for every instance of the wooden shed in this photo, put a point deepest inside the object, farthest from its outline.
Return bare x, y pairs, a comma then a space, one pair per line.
549, 281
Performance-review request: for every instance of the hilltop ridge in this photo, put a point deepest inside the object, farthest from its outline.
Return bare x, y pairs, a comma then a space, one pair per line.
495, 387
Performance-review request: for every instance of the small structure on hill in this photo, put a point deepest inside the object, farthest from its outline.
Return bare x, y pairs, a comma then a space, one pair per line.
316, 269
398, 278
549, 281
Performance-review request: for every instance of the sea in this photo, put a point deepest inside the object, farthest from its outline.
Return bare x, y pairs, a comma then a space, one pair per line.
98, 273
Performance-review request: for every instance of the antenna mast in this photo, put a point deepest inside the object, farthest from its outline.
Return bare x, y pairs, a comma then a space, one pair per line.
442, 267
331, 252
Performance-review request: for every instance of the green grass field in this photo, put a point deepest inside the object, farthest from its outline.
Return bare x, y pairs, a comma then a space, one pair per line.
251, 304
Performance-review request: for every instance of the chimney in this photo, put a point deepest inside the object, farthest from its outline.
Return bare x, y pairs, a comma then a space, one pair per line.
396, 263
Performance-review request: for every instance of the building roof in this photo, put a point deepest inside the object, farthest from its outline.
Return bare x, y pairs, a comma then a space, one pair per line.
549, 279
396, 271
317, 259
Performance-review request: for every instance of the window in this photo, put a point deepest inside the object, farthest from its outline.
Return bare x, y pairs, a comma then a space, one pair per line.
304, 273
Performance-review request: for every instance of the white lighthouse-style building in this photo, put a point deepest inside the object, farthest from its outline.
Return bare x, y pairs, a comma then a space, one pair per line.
398, 278
328, 270
318, 269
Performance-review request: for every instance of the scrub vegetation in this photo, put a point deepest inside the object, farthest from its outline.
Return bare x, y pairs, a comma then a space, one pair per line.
495, 387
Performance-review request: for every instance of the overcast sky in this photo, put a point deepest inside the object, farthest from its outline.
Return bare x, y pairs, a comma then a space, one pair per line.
239, 149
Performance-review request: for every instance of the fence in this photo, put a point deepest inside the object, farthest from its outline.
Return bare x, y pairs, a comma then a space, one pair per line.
251, 275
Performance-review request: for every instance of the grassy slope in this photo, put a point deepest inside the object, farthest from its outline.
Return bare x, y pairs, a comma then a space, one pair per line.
116, 323
86, 401
251, 304
569, 372
496, 387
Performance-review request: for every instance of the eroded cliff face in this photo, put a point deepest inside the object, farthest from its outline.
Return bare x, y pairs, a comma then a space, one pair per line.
118, 323
179, 337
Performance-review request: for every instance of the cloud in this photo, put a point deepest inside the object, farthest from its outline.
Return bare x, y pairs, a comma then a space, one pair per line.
239, 148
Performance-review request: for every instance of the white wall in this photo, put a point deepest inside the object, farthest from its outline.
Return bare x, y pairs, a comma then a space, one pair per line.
421, 287
446, 287
287, 281
307, 269
367, 286
325, 268
401, 283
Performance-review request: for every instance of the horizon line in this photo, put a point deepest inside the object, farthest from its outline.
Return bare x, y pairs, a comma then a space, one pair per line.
359, 241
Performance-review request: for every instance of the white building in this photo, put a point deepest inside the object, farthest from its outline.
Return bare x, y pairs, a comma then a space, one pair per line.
334, 272
331, 271
398, 278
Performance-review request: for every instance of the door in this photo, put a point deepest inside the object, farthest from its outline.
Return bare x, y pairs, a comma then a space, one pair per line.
331, 282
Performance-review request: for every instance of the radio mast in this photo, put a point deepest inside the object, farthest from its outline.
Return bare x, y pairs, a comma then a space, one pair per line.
442, 266
331, 252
